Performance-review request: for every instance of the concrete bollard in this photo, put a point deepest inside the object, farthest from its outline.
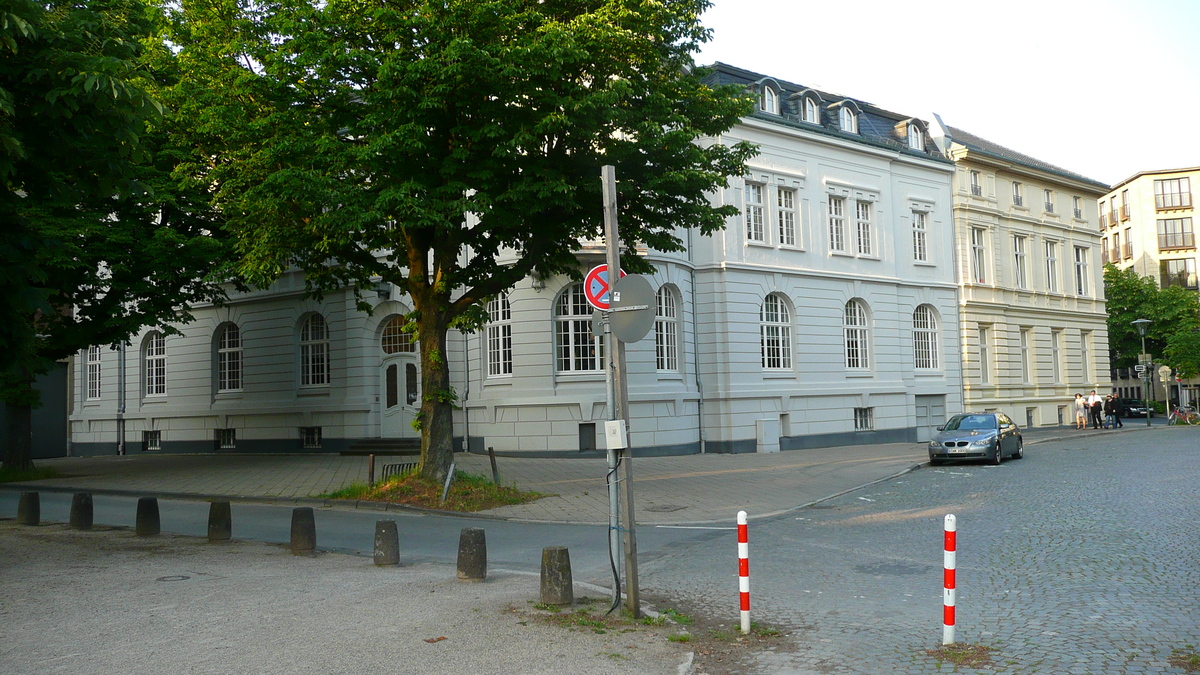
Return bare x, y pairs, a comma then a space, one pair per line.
148, 523
81, 511
220, 521
557, 588
29, 509
472, 554
304, 531
387, 543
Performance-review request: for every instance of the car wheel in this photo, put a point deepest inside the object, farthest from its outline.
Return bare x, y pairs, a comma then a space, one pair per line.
998, 456
1020, 454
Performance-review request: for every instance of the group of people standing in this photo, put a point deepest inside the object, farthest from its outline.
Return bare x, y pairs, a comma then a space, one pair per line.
1101, 411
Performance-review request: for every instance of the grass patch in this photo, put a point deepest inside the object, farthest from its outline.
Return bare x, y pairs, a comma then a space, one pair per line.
468, 492
763, 631
8, 475
970, 656
679, 637
1187, 659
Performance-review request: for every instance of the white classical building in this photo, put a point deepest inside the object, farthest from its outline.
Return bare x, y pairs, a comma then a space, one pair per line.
825, 314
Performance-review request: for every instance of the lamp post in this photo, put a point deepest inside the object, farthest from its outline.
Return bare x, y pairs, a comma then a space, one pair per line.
1141, 327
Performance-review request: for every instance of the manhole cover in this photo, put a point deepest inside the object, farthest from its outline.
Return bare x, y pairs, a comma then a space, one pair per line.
664, 508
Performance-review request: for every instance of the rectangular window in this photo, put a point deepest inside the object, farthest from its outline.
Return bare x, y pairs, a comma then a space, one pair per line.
920, 236
1175, 233
985, 354
978, 255
1085, 354
1052, 266
1049, 200
1018, 194
1019, 262
1077, 207
1026, 354
499, 338
1127, 251
863, 231
152, 440
1124, 204
226, 439
864, 419
1081, 270
1175, 193
754, 212
1115, 255
786, 216
1056, 355
1103, 217
1180, 272
93, 373
229, 359
837, 224
976, 188
1103, 250
156, 365
310, 438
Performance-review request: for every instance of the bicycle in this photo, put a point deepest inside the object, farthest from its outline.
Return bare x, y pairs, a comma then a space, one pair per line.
1185, 415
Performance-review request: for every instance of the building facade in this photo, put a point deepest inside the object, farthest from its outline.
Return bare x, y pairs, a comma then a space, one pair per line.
1146, 222
1033, 323
825, 314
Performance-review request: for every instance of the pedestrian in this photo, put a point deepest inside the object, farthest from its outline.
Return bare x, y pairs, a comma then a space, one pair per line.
1096, 405
1081, 412
1113, 408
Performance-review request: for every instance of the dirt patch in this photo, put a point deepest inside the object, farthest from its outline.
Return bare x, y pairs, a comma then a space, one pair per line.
970, 656
468, 492
1186, 658
718, 645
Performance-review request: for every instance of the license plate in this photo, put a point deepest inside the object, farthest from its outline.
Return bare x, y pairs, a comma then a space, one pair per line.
963, 449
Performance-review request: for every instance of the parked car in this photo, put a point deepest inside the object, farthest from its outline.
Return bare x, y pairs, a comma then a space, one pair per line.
990, 436
1134, 407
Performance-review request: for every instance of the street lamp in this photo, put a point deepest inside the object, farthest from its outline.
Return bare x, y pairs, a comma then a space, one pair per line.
1141, 327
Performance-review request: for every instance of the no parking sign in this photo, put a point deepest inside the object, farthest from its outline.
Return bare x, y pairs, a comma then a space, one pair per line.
596, 287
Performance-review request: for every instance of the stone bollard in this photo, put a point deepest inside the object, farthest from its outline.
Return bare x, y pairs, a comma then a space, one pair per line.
148, 523
29, 509
387, 543
304, 531
220, 521
81, 511
557, 588
472, 554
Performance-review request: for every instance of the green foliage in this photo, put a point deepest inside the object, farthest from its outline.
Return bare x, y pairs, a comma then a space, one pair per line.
9, 475
1183, 352
1173, 311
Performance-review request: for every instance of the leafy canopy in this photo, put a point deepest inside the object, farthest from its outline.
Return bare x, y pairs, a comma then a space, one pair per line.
1173, 312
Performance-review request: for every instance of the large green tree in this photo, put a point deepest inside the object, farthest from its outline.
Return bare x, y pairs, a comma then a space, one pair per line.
1173, 311
449, 147
98, 240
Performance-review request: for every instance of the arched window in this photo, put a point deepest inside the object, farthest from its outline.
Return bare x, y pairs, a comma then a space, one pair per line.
769, 101
849, 121
576, 349
810, 111
916, 137
156, 364
775, 336
499, 337
229, 358
856, 335
925, 341
666, 331
314, 352
395, 339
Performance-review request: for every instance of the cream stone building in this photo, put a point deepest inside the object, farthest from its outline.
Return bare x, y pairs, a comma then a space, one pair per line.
1031, 289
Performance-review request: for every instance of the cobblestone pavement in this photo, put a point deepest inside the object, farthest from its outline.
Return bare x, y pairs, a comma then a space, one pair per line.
1084, 557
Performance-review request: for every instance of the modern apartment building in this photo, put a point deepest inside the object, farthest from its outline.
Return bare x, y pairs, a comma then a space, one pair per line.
824, 314
1033, 322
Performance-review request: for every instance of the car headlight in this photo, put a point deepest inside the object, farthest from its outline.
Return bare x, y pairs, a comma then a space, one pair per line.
934, 444
982, 441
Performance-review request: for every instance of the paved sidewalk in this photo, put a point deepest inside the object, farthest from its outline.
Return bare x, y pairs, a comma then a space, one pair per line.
677, 490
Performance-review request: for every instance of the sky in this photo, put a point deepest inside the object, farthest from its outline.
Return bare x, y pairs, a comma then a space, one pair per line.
1103, 88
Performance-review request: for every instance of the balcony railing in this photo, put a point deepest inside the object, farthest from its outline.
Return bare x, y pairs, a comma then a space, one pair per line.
1176, 240
1103, 221
1127, 250
1116, 254
1104, 256
1018, 200
1049, 207
1173, 200
977, 190
1079, 213
1112, 217
1124, 213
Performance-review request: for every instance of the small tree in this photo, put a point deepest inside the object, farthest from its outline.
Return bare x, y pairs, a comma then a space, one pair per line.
449, 148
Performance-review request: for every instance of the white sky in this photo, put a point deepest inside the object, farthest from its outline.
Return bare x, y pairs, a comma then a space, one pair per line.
1103, 88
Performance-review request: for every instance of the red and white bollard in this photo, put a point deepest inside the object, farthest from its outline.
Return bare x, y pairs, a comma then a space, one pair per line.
744, 569
950, 563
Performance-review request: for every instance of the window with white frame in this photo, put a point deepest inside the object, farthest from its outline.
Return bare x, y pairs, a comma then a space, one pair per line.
1018, 194
862, 212
93, 373
314, 352
769, 100
666, 331
925, 338
1173, 193
811, 111
837, 223
864, 419
1020, 263
1085, 356
916, 137
152, 439
976, 187
775, 336
1056, 355
395, 339
978, 255
856, 336
499, 337
1026, 360
229, 358
754, 211
310, 438
578, 351
156, 364
1077, 206
1049, 200
1052, 266
1081, 270
786, 216
985, 354
920, 236
226, 439
848, 120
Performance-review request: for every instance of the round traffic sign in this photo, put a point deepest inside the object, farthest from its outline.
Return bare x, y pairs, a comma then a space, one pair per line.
596, 287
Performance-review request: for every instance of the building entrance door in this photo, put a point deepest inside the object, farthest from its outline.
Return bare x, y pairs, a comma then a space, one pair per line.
931, 414
399, 380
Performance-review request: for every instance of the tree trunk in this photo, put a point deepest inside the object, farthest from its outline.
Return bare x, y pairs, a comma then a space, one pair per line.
17, 447
437, 401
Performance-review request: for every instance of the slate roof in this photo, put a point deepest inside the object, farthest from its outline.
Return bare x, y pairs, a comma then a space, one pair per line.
876, 126
977, 144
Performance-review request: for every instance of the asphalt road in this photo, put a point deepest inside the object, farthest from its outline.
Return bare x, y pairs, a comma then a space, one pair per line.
1084, 557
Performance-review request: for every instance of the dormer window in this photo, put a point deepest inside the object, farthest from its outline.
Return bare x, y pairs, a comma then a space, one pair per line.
769, 100
916, 137
848, 120
811, 111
